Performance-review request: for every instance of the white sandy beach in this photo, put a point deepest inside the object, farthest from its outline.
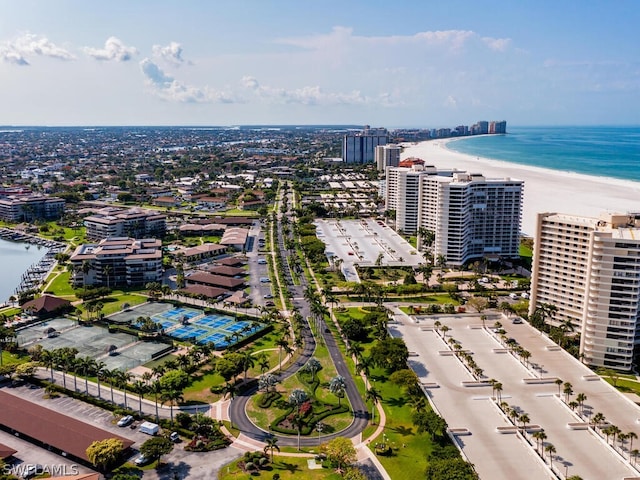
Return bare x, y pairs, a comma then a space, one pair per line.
544, 190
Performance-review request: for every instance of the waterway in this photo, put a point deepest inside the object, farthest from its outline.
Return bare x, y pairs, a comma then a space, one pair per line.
15, 260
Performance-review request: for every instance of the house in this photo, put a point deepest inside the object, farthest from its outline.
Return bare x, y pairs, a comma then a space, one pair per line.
46, 305
204, 278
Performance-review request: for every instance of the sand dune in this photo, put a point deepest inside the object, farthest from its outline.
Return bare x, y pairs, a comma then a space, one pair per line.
544, 190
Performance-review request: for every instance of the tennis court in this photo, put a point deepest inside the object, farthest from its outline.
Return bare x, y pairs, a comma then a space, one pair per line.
92, 341
188, 332
130, 356
148, 309
42, 330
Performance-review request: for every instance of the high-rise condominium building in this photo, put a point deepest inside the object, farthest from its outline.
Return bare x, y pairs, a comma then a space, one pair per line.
470, 215
360, 147
589, 269
387, 156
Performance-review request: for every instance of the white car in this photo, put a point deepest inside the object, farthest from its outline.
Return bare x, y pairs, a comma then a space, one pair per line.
124, 421
141, 460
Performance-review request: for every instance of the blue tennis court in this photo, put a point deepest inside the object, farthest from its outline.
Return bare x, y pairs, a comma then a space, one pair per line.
213, 321
189, 332
217, 339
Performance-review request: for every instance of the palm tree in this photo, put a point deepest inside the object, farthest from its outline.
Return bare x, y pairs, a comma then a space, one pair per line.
338, 386
124, 379
598, 419
444, 329
172, 396
101, 373
539, 436
248, 361
498, 389
631, 436
271, 444
634, 453
550, 449
581, 398
111, 377
558, 382
140, 387
48, 360
565, 327
263, 362
282, 344
156, 389
568, 391
374, 397
364, 366
524, 419
355, 349
87, 365
107, 272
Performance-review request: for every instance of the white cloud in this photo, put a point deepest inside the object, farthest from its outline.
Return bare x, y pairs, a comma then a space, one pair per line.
19, 50
308, 95
113, 49
342, 37
497, 44
171, 53
170, 89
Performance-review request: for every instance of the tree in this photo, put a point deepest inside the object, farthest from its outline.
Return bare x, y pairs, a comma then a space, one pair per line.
156, 447
271, 444
248, 361
550, 449
568, 391
104, 453
373, 396
340, 452
140, 387
479, 304
338, 386
390, 353
312, 365
558, 382
631, 436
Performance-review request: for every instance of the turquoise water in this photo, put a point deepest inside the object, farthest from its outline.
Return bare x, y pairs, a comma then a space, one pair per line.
600, 151
16, 259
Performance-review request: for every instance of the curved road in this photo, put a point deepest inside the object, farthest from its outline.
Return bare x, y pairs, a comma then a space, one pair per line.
237, 408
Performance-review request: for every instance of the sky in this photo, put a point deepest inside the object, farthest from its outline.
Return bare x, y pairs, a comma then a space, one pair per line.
422, 63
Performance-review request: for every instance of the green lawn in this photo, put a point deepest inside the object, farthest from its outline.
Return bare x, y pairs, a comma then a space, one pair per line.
624, 385
61, 287
13, 358
289, 468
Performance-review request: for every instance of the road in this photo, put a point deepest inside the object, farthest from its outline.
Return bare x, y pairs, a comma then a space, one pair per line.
237, 409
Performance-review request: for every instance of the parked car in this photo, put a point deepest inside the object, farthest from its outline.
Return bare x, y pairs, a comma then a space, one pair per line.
174, 437
267, 296
516, 320
124, 421
141, 460
33, 470
264, 280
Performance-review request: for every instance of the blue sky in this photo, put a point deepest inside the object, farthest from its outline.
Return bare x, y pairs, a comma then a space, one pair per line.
395, 64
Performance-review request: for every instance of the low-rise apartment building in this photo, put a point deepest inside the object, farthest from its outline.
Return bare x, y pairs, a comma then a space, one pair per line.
117, 261
127, 222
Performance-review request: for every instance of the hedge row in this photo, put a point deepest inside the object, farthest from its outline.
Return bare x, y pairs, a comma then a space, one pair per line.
266, 399
310, 423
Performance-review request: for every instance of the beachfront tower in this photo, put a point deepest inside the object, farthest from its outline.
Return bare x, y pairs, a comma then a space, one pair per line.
589, 269
471, 216
387, 156
360, 147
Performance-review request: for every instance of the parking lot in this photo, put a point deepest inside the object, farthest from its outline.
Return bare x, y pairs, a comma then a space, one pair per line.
195, 466
365, 242
469, 406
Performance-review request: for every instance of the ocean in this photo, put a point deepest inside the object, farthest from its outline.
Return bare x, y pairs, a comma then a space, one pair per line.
599, 151
16, 259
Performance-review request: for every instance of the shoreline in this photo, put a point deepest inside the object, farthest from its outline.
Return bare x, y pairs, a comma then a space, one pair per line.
545, 190
38, 271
